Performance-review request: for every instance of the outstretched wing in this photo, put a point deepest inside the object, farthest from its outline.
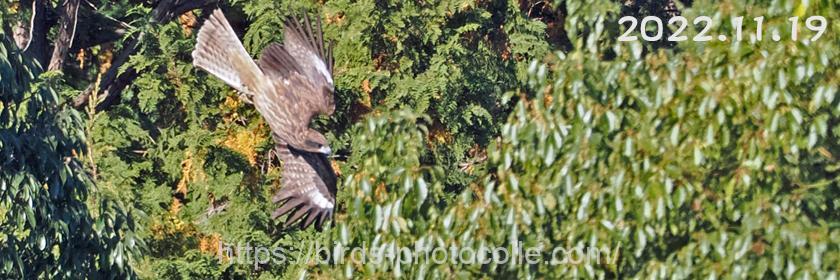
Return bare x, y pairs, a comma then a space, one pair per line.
308, 192
303, 51
287, 114
219, 52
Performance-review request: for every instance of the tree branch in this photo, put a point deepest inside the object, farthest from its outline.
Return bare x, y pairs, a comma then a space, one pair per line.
36, 47
94, 28
113, 82
67, 30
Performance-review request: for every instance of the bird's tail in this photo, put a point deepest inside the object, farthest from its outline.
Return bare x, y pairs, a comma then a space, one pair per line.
219, 52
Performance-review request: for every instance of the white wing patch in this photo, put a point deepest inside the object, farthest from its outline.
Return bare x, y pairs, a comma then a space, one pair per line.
321, 66
320, 200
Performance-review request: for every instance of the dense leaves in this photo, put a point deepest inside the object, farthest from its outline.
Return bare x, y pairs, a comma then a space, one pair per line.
47, 228
707, 160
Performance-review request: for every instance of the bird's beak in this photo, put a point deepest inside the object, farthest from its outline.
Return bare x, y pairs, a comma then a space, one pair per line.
325, 150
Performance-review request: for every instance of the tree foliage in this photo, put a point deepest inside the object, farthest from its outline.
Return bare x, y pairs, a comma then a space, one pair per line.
47, 227
706, 160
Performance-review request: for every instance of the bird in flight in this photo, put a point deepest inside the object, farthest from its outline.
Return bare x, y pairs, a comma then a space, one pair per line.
289, 85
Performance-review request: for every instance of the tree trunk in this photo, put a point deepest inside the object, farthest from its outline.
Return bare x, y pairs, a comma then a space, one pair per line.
38, 27
66, 31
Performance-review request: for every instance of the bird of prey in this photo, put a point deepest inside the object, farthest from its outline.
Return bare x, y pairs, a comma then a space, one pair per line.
289, 85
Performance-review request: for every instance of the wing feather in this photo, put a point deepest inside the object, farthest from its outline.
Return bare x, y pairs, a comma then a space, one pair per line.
309, 187
304, 209
277, 62
309, 218
307, 45
285, 112
321, 218
303, 51
287, 206
219, 52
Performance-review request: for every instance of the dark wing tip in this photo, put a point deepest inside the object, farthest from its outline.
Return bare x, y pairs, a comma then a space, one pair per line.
286, 206
303, 214
310, 218
275, 60
303, 210
299, 210
312, 35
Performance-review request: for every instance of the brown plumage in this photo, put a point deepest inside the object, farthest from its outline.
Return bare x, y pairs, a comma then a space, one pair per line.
291, 84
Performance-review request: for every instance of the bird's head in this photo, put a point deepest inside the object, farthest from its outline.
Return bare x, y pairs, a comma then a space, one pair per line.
316, 143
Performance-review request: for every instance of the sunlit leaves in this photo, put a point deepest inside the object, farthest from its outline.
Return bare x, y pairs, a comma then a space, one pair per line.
696, 169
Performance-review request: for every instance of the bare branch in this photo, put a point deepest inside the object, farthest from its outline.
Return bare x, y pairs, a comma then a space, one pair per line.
113, 82
95, 28
107, 80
